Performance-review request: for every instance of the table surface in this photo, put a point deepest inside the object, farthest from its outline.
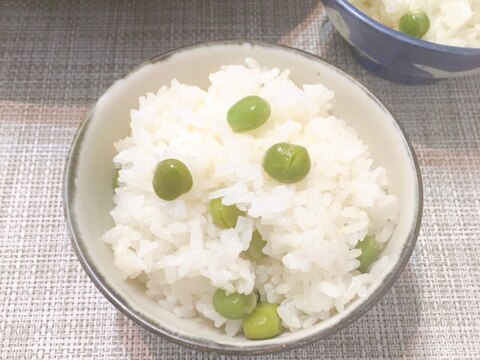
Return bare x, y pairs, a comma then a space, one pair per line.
57, 57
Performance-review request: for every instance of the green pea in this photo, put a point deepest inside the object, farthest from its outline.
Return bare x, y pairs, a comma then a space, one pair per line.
224, 216
370, 251
233, 306
263, 322
254, 251
115, 178
287, 163
171, 179
249, 113
414, 23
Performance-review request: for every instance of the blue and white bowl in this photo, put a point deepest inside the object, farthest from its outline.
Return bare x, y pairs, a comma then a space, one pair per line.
395, 56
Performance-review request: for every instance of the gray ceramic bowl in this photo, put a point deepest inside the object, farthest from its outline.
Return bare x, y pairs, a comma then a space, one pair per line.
89, 173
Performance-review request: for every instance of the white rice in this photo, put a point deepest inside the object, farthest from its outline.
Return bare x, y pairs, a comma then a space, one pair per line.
311, 227
452, 22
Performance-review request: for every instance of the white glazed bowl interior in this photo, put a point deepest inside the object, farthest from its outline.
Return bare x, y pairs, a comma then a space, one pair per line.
89, 173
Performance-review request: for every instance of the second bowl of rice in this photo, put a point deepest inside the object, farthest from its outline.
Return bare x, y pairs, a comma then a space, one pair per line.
450, 48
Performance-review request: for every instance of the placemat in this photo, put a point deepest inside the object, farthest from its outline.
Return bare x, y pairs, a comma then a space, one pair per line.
57, 57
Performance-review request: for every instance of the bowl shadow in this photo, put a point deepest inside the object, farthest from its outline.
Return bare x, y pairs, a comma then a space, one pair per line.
84, 46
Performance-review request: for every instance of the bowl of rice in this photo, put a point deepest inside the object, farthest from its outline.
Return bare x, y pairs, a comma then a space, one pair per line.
242, 197
411, 41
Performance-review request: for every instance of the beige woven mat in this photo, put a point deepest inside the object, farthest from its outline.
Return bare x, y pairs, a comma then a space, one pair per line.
56, 58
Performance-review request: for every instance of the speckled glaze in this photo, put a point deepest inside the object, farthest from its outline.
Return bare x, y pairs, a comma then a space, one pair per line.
395, 56
87, 191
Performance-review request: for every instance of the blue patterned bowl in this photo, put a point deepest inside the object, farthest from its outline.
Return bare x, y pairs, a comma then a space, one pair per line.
395, 56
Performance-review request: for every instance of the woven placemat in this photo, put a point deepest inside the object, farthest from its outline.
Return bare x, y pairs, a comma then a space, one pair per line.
57, 57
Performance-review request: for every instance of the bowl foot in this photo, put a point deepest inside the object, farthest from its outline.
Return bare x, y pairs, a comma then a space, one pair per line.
389, 74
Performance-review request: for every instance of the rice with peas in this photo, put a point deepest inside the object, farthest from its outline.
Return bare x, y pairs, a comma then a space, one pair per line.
311, 227
452, 22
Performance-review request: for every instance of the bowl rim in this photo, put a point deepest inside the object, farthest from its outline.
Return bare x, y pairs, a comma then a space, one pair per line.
205, 344
349, 7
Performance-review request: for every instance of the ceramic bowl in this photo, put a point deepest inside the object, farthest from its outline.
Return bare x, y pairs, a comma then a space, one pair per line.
395, 56
89, 172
